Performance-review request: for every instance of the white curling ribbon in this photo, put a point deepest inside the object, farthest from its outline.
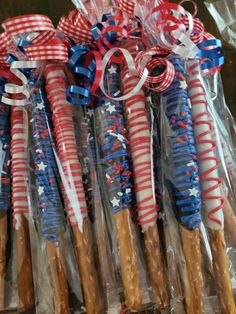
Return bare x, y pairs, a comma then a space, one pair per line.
189, 50
132, 68
23, 89
70, 192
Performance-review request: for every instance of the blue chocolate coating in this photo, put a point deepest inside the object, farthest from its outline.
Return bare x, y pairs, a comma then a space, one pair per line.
183, 155
50, 202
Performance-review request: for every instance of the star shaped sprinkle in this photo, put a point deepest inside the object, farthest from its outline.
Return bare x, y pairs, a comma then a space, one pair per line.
111, 108
40, 190
127, 191
112, 70
183, 84
39, 151
193, 192
90, 113
191, 164
40, 106
42, 166
115, 202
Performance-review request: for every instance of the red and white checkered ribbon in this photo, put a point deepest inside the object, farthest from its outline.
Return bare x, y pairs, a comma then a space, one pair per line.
5, 43
76, 27
39, 31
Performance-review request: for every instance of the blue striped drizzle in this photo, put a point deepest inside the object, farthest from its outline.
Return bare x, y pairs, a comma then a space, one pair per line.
50, 202
182, 150
5, 156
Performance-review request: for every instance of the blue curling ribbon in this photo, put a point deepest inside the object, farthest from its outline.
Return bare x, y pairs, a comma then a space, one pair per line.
214, 56
113, 149
5, 156
97, 28
80, 95
183, 155
50, 203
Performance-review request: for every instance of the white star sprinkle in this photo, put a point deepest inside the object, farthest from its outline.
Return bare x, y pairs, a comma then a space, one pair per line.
39, 151
40, 190
90, 113
112, 70
42, 166
115, 202
111, 108
183, 84
193, 192
191, 164
40, 106
127, 191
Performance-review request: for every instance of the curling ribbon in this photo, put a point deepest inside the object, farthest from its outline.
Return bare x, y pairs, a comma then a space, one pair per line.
40, 43
189, 39
23, 89
88, 64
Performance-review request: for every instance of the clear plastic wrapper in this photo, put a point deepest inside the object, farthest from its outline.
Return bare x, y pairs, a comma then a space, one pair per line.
224, 14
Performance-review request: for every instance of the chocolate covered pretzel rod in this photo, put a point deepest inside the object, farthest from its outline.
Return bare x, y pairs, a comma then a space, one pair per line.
74, 195
50, 205
140, 146
211, 187
21, 205
5, 137
185, 179
116, 164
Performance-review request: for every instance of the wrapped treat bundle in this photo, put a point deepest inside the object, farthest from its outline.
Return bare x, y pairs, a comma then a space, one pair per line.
118, 170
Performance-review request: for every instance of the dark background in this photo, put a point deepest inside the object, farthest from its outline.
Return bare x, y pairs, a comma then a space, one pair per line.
56, 8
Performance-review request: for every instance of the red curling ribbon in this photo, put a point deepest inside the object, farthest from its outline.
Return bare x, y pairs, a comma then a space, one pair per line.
98, 71
162, 81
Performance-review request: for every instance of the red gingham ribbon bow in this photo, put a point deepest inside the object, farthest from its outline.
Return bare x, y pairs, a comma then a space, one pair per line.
76, 27
40, 31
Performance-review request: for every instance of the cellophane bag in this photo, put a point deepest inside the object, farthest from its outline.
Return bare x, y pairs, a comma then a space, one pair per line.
224, 14
57, 213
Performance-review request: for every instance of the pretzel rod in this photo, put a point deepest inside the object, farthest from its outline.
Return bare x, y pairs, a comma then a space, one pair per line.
140, 145
183, 163
77, 210
20, 181
3, 245
229, 222
50, 205
5, 113
211, 192
85, 132
115, 162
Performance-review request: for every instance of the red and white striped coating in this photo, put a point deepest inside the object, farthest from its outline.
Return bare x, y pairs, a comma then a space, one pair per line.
65, 137
140, 145
206, 149
20, 164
